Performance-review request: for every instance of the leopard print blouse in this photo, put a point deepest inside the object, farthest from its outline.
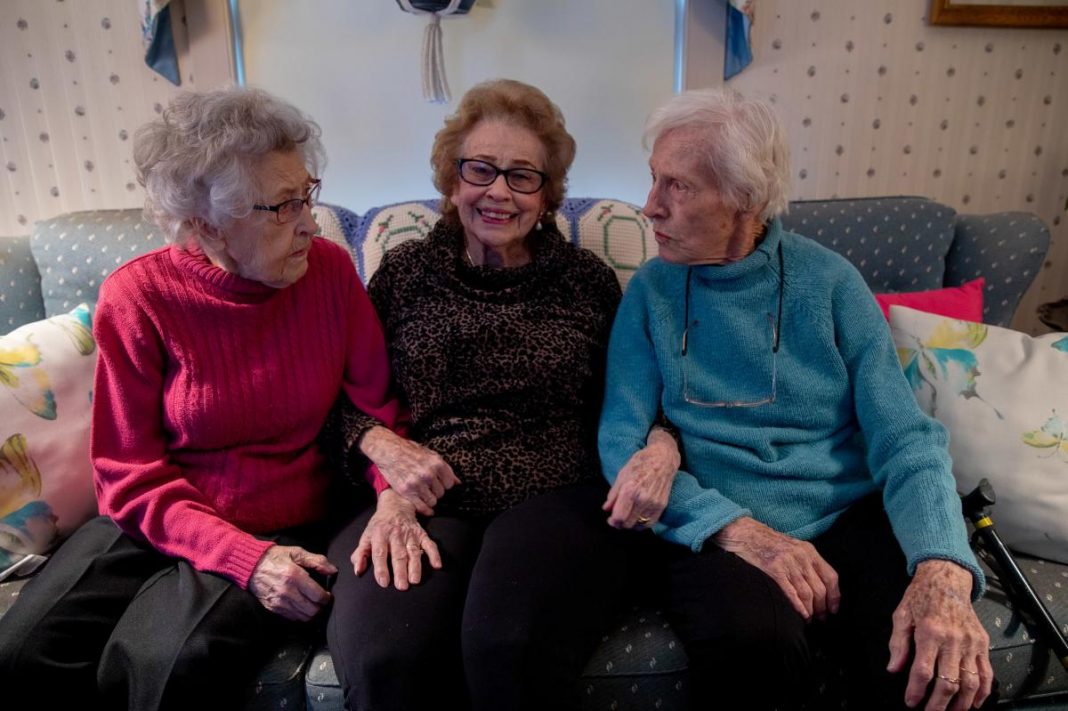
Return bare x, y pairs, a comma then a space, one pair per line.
502, 369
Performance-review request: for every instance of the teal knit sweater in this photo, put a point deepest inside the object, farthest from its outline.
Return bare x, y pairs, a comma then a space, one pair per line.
843, 424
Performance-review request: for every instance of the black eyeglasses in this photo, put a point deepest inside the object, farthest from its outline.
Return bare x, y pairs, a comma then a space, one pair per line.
289, 210
481, 173
775, 329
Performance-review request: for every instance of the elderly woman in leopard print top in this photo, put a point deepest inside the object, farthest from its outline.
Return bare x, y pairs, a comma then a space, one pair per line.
497, 329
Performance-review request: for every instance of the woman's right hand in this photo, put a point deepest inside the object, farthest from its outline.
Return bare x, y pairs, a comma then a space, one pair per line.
394, 538
282, 584
418, 474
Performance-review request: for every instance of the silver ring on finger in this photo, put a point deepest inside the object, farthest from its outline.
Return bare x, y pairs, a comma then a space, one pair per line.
949, 679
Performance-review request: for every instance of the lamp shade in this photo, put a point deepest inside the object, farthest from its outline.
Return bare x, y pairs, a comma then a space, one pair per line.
439, 5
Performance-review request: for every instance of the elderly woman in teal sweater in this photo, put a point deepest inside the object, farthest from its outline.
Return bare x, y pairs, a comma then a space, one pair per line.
814, 498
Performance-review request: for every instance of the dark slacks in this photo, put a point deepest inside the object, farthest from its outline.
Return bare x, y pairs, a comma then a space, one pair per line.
750, 649
112, 623
509, 622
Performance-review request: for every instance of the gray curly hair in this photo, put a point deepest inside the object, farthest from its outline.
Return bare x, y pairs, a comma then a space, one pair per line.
743, 145
199, 160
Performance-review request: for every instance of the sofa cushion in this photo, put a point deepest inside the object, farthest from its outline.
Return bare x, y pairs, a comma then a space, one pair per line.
964, 302
76, 250
46, 483
20, 288
886, 239
1002, 396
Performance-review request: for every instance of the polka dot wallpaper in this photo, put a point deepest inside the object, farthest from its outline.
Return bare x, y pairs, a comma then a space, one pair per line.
73, 89
878, 102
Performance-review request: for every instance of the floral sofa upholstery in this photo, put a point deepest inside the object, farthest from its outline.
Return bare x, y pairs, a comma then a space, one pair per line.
900, 244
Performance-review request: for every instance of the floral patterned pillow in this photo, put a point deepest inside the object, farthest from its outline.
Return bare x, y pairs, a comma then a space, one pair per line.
1003, 396
46, 482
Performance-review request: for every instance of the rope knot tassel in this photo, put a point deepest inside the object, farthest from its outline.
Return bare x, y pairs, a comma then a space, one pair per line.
435, 85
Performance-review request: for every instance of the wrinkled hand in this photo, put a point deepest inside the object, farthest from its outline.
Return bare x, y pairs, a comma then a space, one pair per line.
413, 471
936, 612
282, 585
809, 582
394, 538
641, 490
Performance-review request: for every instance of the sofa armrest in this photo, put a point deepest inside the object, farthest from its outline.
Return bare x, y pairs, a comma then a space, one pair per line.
20, 300
1007, 248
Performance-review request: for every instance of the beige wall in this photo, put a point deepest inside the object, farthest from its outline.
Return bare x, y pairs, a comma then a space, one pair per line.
73, 89
878, 102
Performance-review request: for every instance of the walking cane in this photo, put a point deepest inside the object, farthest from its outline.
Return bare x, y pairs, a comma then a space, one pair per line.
1019, 588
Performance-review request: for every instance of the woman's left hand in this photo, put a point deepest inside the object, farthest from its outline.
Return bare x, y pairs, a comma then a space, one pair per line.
640, 493
952, 648
394, 538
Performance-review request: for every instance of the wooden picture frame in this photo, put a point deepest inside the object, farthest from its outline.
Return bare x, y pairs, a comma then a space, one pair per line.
1008, 13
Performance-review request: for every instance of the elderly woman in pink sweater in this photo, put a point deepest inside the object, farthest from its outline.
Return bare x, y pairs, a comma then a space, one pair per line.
220, 357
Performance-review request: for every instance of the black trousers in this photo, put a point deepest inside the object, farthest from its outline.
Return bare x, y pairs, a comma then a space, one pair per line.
112, 623
748, 647
509, 622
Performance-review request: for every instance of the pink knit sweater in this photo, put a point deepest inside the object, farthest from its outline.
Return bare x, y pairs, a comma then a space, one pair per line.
210, 391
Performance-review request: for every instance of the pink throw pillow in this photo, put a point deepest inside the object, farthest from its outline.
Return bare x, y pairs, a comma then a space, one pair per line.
964, 302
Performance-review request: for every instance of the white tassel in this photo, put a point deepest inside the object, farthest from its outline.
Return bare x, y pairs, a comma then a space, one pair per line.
435, 85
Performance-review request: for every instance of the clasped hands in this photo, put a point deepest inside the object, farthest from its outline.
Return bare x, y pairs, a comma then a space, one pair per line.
393, 538
935, 614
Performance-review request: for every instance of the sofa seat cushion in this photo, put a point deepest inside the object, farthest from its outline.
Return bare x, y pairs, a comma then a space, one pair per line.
1024, 665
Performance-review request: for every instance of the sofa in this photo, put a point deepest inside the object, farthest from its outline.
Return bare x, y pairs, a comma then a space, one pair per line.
899, 244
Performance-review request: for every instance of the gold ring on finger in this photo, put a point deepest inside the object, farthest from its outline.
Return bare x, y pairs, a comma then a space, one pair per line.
969, 671
948, 679
643, 520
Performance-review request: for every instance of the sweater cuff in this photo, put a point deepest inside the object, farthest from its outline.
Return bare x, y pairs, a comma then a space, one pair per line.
375, 478
245, 556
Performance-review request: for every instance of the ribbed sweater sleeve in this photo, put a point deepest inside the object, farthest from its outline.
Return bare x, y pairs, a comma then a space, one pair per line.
210, 393
367, 383
633, 388
907, 451
137, 483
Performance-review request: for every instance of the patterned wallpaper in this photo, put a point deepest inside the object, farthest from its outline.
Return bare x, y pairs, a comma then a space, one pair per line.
73, 88
878, 102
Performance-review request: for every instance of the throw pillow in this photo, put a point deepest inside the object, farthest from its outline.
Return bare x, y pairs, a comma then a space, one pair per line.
46, 482
964, 302
1001, 395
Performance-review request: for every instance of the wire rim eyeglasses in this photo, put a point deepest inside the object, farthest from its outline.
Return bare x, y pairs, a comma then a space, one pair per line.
480, 173
289, 210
